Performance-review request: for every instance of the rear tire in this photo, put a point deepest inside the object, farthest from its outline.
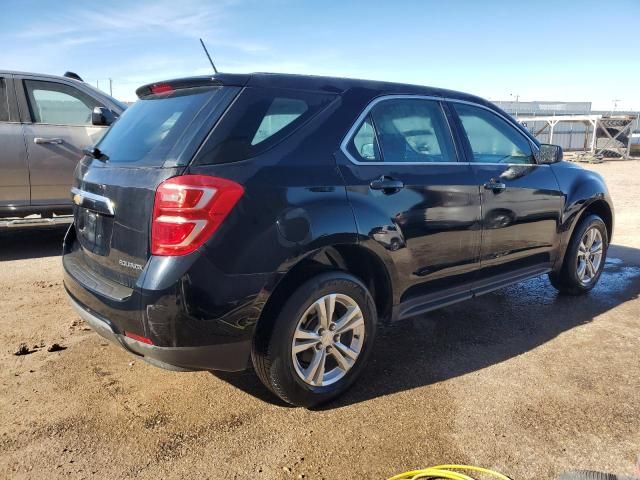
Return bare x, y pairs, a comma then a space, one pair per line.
308, 358
584, 259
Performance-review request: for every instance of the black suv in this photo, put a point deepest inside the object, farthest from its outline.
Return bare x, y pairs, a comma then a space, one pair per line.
278, 218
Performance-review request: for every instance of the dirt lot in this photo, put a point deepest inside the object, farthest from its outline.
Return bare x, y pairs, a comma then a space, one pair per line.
521, 380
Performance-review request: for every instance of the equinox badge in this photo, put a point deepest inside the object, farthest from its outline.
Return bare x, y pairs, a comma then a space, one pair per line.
126, 263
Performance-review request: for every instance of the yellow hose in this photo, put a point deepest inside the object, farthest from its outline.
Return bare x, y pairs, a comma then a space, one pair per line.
447, 472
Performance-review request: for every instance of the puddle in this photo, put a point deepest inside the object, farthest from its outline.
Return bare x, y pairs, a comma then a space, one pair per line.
613, 261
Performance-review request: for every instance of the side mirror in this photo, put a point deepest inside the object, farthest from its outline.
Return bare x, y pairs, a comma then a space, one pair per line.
102, 116
549, 154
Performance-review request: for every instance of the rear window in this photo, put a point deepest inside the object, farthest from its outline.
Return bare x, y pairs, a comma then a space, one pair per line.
258, 120
157, 128
4, 102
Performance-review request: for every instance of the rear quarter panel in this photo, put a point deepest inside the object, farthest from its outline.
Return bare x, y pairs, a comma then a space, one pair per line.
295, 201
292, 207
287, 210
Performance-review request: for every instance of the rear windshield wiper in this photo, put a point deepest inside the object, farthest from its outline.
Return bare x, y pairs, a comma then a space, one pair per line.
94, 152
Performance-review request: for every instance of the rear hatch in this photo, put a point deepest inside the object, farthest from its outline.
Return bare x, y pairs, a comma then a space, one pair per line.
115, 183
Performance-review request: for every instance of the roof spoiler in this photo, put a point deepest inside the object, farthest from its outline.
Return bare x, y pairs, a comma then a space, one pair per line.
73, 75
217, 80
171, 85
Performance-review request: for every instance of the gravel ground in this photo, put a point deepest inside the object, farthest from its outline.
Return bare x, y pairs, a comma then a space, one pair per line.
521, 380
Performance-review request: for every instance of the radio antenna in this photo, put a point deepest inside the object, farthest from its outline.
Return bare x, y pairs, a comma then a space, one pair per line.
215, 70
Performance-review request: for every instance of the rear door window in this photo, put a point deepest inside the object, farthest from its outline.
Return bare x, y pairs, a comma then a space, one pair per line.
258, 120
365, 142
404, 130
58, 104
156, 128
4, 101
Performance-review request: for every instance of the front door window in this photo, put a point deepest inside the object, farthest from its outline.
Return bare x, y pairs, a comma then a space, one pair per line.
491, 138
58, 104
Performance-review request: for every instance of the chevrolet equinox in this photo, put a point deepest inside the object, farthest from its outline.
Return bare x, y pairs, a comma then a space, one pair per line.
276, 219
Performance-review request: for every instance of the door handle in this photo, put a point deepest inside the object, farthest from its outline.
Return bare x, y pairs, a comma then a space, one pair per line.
495, 185
386, 184
42, 141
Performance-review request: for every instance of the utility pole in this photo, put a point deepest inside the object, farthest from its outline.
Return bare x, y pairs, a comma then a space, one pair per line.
517, 97
615, 103
110, 87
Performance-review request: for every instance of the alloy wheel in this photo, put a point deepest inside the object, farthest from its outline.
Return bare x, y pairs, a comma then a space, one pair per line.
328, 340
590, 253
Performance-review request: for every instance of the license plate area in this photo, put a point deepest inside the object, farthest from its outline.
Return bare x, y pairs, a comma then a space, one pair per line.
94, 231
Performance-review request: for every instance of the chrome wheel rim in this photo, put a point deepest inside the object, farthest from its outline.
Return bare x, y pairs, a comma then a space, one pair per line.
590, 253
328, 340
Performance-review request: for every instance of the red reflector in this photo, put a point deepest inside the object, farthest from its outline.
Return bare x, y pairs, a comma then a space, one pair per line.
161, 88
188, 209
139, 338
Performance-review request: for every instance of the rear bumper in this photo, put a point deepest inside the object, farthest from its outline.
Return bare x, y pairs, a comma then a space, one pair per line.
225, 356
196, 317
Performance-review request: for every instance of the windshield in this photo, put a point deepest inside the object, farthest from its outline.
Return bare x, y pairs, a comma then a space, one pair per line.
158, 128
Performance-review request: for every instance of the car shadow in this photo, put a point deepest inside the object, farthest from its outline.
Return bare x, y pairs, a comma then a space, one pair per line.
18, 244
475, 334
249, 382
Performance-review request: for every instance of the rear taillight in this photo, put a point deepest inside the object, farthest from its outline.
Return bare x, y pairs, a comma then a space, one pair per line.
188, 209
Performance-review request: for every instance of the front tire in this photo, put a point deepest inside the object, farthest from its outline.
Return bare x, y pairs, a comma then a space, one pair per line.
584, 259
319, 342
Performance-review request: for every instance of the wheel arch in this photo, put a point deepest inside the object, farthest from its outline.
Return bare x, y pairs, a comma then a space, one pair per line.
603, 210
585, 193
355, 259
597, 206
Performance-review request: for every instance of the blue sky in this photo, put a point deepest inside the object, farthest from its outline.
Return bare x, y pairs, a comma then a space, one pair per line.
539, 50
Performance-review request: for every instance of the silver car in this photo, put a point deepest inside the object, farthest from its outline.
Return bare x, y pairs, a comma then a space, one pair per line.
45, 123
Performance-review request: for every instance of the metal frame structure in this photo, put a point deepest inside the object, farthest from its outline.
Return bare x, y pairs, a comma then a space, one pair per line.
625, 123
552, 121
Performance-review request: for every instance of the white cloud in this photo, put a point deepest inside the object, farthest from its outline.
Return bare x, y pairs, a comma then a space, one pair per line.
137, 42
118, 23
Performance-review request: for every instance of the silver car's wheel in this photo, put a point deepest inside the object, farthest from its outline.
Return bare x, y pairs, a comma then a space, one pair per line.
590, 253
328, 340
